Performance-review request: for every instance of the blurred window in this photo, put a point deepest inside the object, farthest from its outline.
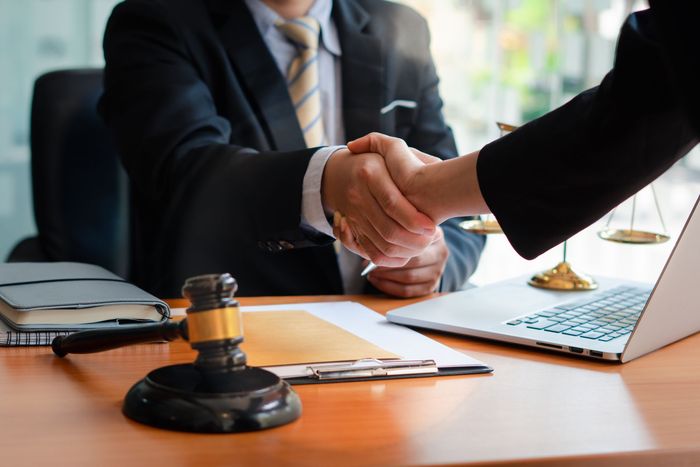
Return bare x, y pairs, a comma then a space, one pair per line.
514, 60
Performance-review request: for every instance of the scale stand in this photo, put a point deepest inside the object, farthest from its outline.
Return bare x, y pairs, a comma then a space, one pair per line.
563, 277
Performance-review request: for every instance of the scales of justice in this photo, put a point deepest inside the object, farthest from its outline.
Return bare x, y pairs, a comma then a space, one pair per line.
563, 276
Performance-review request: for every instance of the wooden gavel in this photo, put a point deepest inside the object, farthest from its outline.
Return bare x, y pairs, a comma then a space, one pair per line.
218, 392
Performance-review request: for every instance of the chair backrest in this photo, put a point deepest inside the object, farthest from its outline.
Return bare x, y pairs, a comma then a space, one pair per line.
80, 188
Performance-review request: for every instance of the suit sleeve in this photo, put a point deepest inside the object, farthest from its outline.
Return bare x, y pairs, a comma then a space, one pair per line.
431, 134
561, 172
176, 147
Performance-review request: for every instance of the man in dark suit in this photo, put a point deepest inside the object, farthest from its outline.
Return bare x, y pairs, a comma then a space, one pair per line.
228, 172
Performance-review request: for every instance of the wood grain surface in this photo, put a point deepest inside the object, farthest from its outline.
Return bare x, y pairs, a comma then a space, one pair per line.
536, 408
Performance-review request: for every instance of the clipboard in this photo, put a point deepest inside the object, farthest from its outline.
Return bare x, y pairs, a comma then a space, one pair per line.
419, 356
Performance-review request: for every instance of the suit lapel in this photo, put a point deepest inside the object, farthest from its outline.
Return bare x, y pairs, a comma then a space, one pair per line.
266, 87
362, 70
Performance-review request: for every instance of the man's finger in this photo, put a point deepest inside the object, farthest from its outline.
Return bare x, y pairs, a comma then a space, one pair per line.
407, 275
394, 150
376, 256
392, 238
360, 245
371, 226
401, 290
372, 142
342, 232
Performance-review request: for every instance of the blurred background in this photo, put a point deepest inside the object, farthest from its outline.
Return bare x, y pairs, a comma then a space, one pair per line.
499, 60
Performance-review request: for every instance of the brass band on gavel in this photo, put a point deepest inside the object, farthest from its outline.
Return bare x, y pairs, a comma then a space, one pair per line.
216, 324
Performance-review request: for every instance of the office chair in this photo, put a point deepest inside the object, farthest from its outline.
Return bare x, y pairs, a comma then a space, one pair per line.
79, 186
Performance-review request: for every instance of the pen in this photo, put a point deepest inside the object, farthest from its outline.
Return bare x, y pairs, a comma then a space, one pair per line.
370, 267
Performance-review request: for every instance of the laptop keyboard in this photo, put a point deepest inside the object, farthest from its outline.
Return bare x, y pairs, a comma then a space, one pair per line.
603, 317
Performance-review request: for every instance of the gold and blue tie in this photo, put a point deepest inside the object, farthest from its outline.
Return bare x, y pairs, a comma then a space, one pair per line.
302, 77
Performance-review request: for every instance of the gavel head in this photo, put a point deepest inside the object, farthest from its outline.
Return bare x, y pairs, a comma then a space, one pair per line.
210, 291
214, 325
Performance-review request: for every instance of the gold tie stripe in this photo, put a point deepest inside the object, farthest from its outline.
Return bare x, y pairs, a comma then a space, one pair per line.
302, 77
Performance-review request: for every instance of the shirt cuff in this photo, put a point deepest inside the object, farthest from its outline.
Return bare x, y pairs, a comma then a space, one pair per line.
312, 213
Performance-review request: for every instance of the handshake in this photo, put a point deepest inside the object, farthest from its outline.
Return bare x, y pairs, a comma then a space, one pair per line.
392, 199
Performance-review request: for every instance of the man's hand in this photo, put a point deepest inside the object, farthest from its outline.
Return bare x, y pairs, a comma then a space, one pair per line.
404, 164
383, 225
440, 189
420, 276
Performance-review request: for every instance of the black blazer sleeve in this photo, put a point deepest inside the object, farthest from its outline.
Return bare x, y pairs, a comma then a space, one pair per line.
431, 134
558, 174
175, 145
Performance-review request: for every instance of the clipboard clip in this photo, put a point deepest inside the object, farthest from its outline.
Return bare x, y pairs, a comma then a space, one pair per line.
371, 367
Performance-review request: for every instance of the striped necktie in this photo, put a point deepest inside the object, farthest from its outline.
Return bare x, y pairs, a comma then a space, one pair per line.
302, 77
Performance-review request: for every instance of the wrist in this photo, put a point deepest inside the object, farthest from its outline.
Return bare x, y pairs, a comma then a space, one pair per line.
328, 180
421, 188
453, 188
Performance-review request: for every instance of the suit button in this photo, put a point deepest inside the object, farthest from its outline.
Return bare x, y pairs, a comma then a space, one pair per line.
286, 245
268, 246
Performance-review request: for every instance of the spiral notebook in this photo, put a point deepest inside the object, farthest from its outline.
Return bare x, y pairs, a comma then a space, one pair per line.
11, 337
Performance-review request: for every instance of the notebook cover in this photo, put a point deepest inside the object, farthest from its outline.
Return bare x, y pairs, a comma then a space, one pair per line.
35, 286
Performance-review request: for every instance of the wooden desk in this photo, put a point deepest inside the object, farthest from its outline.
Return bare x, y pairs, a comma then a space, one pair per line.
540, 407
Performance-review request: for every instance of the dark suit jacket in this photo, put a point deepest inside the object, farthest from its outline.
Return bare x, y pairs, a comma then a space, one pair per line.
208, 134
558, 174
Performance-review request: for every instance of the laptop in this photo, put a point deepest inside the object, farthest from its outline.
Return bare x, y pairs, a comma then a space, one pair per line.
621, 320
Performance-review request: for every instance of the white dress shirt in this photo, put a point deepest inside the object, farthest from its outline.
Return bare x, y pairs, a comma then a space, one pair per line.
330, 84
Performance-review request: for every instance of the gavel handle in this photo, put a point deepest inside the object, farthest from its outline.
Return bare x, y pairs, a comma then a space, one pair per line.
97, 340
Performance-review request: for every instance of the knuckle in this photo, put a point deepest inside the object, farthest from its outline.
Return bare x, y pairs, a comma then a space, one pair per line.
391, 233
364, 171
418, 243
444, 254
411, 276
397, 263
379, 259
354, 198
390, 202
394, 251
398, 143
388, 250
424, 241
